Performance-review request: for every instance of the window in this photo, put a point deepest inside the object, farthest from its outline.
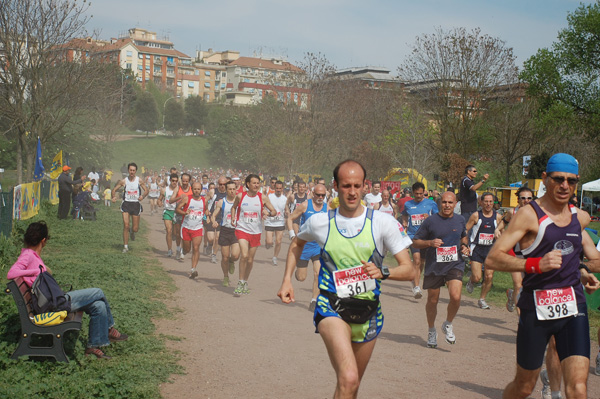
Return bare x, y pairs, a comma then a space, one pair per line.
140, 55
147, 56
206, 73
251, 90
197, 72
129, 53
170, 70
207, 97
157, 58
207, 85
222, 85
128, 65
260, 92
147, 67
169, 59
191, 84
246, 80
156, 69
178, 84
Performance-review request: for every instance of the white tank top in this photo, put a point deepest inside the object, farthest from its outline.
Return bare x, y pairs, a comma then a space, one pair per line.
132, 190
279, 205
249, 217
168, 195
226, 213
154, 191
389, 209
193, 220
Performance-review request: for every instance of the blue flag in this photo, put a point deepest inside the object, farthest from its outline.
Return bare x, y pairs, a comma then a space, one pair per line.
38, 173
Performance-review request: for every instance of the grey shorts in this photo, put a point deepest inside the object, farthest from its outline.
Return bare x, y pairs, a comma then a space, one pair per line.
432, 281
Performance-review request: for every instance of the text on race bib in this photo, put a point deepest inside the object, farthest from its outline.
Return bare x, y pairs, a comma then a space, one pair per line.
277, 217
132, 195
417, 220
555, 303
195, 215
446, 254
250, 217
352, 281
485, 239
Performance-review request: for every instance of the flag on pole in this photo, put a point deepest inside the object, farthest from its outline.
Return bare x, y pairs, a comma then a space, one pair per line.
56, 168
38, 173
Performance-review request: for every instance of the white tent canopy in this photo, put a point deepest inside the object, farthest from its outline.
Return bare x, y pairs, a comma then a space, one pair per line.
590, 186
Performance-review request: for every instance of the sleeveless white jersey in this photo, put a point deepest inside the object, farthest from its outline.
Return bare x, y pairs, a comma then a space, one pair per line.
154, 191
226, 213
168, 195
389, 209
132, 190
249, 214
279, 205
193, 220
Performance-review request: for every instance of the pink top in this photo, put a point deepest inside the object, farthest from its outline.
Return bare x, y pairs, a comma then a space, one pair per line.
27, 266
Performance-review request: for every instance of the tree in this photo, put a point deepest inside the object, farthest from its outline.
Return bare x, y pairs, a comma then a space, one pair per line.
174, 116
145, 112
42, 91
452, 72
569, 72
196, 113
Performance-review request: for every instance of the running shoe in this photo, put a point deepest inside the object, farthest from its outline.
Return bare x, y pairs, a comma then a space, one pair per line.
181, 256
313, 305
239, 289
274, 261
417, 293
447, 329
546, 390
469, 287
213, 258
231, 266
169, 253
483, 304
510, 305
432, 339
193, 273
245, 290
226, 281
125, 250
597, 371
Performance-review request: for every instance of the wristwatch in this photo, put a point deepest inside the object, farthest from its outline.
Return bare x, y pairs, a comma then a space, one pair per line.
385, 272
584, 266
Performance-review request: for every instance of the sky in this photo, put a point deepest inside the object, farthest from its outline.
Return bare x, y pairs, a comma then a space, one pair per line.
349, 33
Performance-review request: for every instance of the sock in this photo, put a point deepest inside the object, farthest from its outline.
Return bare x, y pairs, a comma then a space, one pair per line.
125, 246
178, 249
432, 329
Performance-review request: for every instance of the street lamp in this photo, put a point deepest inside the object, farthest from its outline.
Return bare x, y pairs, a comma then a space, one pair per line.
165, 108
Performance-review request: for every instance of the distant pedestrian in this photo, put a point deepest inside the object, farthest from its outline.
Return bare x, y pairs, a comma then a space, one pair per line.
65, 190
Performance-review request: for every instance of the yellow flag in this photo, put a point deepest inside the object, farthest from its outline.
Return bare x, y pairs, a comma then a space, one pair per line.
56, 168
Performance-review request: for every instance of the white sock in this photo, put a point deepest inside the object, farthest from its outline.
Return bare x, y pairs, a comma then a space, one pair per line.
125, 246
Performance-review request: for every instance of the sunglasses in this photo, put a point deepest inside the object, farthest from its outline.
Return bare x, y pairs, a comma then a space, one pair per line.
526, 198
561, 179
319, 195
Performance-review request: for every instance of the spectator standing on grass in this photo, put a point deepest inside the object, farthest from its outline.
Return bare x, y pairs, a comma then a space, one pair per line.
90, 300
65, 190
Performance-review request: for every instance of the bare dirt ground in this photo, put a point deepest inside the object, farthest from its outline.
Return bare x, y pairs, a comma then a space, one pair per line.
257, 347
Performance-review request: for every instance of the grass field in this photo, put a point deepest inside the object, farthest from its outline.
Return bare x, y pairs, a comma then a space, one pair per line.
88, 254
157, 151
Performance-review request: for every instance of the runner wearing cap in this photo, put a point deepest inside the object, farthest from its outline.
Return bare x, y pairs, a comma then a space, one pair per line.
548, 241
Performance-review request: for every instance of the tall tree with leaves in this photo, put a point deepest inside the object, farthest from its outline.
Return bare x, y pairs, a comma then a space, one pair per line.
452, 72
145, 112
196, 112
174, 116
42, 91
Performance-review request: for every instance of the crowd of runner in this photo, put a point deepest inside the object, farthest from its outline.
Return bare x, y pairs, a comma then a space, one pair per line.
344, 230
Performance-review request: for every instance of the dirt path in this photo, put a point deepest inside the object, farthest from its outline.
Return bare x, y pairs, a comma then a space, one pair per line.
256, 347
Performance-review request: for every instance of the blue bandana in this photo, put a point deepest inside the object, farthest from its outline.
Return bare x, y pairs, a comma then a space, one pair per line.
562, 163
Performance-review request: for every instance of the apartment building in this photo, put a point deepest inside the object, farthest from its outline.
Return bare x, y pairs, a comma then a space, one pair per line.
372, 77
250, 80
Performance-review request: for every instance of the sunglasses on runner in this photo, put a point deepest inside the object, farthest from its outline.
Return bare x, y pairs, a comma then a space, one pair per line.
319, 195
526, 198
561, 179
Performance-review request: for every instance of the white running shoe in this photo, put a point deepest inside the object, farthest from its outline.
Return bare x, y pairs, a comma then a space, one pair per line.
546, 390
432, 339
213, 258
469, 287
181, 256
417, 293
447, 329
510, 305
169, 253
274, 261
125, 250
483, 304
193, 273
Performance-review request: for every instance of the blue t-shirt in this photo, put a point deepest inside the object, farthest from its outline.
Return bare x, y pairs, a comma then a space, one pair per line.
417, 212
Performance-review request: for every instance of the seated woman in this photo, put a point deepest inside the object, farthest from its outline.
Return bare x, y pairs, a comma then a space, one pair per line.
91, 300
82, 201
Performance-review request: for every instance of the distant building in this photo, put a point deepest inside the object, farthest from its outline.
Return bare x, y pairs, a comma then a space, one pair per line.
372, 77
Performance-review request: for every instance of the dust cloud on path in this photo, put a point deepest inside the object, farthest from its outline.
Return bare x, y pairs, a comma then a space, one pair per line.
256, 347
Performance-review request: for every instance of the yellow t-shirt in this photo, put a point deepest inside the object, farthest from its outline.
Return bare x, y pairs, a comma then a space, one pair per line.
107, 194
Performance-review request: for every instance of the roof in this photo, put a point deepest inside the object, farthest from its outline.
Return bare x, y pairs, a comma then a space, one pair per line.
120, 43
266, 64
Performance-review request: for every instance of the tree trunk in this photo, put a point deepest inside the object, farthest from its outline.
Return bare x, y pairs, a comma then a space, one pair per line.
19, 159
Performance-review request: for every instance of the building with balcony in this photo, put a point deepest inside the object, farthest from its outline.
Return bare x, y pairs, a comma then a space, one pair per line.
372, 77
250, 80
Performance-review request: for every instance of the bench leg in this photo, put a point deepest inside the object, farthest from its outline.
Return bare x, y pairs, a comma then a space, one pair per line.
56, 351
